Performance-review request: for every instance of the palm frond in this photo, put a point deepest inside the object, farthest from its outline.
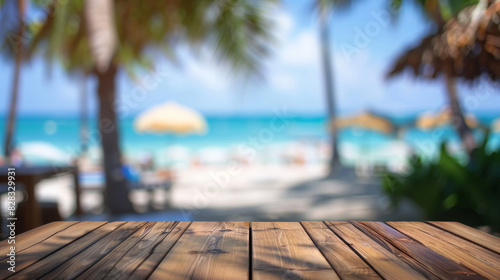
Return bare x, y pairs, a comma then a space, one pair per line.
468, 46
237, 31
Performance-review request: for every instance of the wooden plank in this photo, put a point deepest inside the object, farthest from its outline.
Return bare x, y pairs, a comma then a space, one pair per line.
86, 258
476, 236
283, 250
141, 251
385, 259
55, 259
439, 265
341, 257
208, 250
453, 247
157, 254
50, 245
103, 266
32, 237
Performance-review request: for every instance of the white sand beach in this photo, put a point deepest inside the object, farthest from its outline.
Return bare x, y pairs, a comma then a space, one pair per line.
254, 192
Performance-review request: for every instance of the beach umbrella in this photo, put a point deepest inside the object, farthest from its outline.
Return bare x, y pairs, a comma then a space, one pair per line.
170, 118
370, 121
428, 120
366, 120
496, 125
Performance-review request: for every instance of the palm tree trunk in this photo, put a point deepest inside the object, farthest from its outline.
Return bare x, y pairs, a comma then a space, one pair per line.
329, 89
83, 115
15, 82
116, 185
461, 126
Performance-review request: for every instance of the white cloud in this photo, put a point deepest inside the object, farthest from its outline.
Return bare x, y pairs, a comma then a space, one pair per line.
284, 82
295, 67
303, 50
284, 24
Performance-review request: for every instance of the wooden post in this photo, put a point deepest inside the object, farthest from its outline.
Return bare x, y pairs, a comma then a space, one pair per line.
75, 172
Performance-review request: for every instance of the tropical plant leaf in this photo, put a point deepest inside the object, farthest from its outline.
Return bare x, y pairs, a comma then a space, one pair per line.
450, 190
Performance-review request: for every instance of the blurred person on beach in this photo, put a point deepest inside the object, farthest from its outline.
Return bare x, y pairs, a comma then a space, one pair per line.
146, 162
130, 172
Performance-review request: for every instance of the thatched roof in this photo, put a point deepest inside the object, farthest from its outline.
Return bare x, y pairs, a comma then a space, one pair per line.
467, 46
428, 121
366, 120
496, 125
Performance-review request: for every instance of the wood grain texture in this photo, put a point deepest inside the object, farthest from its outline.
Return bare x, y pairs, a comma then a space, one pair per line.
156, 255
54, 260
440, 266
100, 269
84, 260
32, 237
55, 242
479, 259
140, 251
346, 263
208, 250
283, 250
383, 258
479, 237
261, 250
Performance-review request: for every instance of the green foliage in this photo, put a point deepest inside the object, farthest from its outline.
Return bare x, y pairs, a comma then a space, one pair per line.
448, 190
9, 29
452, 8
437, 9
329, 5
237, 31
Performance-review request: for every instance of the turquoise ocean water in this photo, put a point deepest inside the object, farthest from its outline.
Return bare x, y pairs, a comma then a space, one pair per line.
229, 132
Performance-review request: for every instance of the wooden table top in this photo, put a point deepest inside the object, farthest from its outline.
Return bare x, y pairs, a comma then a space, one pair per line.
256, 250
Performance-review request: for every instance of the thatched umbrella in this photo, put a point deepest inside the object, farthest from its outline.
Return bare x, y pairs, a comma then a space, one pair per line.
467, 47
428, 121
366, 120
496, 125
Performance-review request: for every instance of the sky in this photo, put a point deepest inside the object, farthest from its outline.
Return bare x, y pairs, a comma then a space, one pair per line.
364, 43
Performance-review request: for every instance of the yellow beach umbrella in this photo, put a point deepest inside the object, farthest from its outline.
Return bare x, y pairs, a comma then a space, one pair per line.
366, 120
170, 118
429, 121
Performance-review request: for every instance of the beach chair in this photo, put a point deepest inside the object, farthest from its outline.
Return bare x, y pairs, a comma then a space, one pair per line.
150, 181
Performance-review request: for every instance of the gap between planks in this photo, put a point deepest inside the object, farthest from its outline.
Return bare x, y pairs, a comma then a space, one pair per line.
373, 235
470, 234
345, 261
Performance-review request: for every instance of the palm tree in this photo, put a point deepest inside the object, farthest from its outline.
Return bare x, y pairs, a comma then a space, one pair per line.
463, 46
325, 9
236, 30
84, 126
13, 40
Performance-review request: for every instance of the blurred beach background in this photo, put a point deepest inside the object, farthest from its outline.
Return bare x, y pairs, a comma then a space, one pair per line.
303, 140
266, 148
